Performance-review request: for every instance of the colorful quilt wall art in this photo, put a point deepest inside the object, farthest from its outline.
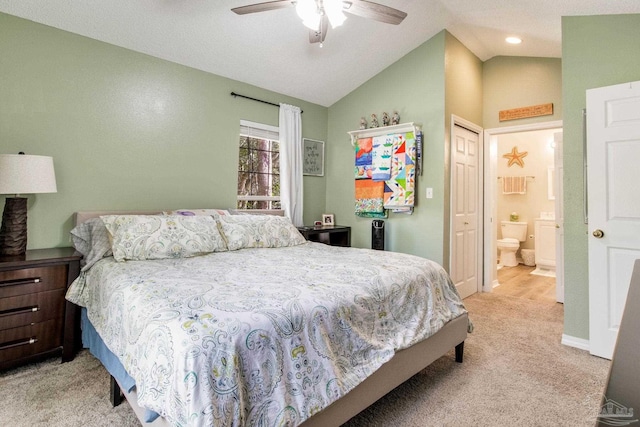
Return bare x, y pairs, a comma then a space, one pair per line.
385, 173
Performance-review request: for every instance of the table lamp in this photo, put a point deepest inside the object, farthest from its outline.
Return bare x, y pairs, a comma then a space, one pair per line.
21, 174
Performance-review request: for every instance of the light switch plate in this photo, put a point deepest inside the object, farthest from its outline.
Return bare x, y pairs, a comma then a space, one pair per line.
429, 193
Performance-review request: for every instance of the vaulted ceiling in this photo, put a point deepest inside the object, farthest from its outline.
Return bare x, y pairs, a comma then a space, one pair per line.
272, 50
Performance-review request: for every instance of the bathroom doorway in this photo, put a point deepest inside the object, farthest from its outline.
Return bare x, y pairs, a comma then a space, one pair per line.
518, 282
521, 186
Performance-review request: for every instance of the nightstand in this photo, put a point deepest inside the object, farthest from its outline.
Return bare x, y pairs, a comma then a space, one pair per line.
35, 319
334, 235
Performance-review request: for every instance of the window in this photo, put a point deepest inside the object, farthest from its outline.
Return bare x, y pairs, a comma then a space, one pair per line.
258, 167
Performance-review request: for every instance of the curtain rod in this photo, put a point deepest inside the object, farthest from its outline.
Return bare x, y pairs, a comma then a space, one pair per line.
258, 100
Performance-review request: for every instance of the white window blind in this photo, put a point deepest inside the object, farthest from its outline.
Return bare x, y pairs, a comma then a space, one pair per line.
259, 130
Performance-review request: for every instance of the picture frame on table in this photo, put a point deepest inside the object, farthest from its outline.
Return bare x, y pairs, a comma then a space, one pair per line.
312, 157
328, 219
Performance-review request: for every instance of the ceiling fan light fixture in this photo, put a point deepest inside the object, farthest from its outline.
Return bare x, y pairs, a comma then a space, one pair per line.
333, 9
308, 11
312, 23
318, 15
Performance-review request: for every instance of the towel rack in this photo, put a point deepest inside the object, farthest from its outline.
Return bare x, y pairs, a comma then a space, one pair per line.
527, 176
384, 130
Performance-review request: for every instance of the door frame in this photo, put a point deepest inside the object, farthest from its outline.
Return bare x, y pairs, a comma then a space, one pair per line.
558, 158
490, 278
459, 121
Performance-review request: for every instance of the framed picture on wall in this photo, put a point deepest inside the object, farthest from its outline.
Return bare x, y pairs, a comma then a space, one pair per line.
312, 157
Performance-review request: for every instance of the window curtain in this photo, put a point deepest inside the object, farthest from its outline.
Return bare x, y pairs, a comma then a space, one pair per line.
291, 162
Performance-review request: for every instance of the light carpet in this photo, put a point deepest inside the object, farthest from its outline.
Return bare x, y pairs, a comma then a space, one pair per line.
515, 372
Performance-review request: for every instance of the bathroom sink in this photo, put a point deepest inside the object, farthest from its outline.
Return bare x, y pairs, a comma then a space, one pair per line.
547, 216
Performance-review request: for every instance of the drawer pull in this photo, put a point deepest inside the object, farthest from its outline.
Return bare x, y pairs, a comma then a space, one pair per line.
18, 343
19, 310
16, 282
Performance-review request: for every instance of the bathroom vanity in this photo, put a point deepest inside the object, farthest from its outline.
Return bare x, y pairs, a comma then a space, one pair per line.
545, 247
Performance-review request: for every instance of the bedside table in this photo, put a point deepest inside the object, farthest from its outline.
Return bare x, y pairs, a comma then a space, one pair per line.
334, 235
35, 319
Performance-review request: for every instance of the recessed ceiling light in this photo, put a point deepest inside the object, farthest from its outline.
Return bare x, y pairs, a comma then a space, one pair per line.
514, 40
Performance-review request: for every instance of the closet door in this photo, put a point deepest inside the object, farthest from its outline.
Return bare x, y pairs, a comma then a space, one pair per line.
464, 208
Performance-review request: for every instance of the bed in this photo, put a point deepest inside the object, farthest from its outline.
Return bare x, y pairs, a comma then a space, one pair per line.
265, 331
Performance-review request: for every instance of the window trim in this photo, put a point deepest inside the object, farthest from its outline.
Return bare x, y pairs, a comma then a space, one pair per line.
259, 198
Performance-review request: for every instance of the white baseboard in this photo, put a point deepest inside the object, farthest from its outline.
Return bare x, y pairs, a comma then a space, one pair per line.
579, 343
542, 271
492, 285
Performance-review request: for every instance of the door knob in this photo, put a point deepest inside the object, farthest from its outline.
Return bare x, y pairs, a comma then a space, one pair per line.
557, 225
598, 234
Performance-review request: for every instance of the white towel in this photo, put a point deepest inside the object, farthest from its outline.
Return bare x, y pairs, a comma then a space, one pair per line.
514, 185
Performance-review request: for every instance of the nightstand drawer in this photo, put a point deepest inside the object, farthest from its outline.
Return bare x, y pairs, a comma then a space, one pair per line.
35, 319
26, 309
26, 341
31, 280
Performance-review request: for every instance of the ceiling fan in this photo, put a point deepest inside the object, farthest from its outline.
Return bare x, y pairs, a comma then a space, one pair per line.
318, 14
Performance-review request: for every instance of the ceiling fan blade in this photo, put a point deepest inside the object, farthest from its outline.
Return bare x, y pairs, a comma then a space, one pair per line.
375, 11
263, 7
317, 36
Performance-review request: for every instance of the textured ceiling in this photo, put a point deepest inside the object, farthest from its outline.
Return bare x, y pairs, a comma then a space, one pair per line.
271, 49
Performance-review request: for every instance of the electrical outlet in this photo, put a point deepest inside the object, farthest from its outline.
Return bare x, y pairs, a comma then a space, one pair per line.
429, 193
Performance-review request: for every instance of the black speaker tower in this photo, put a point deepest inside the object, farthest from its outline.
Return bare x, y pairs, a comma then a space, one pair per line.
377, 234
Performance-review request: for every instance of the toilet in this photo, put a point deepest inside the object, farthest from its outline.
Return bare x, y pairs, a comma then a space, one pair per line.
513, 232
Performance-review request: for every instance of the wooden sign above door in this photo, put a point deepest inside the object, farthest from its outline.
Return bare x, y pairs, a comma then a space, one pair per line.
526, 112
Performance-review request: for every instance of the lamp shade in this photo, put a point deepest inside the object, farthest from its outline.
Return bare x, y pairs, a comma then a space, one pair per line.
26, 174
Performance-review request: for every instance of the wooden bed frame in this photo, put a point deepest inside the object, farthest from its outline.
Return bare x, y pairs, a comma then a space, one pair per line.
400, 368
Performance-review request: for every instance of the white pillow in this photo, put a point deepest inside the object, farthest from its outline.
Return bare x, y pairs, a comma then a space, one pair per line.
259, 231
140, 237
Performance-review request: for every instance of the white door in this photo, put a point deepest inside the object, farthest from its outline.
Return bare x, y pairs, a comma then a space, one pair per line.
464, 208
559, 208
613, 161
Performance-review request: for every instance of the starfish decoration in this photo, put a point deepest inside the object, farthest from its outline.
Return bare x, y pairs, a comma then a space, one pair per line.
515, 157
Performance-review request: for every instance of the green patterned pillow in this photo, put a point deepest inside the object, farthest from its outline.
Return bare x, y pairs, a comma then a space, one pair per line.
140, 237
259, 231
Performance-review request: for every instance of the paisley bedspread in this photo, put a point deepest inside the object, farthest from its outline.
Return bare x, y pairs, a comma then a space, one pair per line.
261, 337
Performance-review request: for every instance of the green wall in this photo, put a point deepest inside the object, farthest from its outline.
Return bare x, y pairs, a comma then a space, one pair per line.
414, 86
126, 130
463, 97
464, 74
512, 82
597, 51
